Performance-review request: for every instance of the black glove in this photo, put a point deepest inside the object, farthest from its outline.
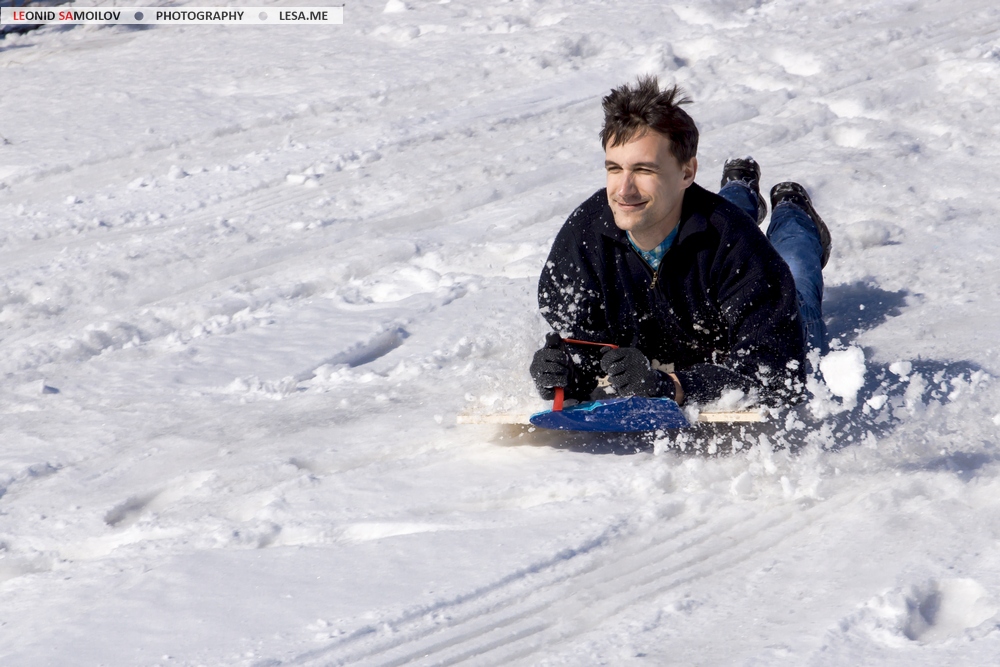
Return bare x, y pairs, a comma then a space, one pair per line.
551, 367
631, 375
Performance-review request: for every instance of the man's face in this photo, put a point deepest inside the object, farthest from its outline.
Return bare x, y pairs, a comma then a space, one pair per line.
646, 187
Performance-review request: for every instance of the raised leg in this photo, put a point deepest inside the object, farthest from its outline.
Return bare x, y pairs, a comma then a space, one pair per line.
795, 236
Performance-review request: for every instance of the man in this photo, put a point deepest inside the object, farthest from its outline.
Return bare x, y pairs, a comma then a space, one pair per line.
671, 273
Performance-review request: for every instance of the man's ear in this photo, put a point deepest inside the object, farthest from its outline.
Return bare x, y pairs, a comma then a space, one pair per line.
690, 169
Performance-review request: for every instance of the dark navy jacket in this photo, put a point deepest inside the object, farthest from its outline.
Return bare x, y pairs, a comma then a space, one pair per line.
721, 307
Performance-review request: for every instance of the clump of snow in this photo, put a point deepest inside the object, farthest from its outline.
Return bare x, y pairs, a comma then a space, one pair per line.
176, 173
733, 400
844, 372
901, 369
395, 6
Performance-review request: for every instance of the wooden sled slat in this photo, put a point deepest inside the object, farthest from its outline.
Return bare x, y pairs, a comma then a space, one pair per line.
500, 418
495, 418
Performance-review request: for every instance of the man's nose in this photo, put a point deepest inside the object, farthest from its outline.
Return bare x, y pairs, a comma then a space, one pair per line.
627, 184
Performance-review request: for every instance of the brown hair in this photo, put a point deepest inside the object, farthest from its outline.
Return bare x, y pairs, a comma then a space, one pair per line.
631, 109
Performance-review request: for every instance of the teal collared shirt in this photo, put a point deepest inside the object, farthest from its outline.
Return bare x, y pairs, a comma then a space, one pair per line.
654, 256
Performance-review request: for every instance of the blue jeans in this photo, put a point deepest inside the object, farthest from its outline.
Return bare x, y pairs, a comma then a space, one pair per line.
794, 235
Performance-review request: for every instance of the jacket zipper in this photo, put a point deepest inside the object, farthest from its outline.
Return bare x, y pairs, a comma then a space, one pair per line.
656, 272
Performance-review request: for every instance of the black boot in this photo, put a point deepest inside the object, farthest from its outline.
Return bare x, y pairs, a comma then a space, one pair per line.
794, 193
745, 170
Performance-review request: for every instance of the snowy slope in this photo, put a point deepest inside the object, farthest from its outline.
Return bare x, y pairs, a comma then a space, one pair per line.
250, 276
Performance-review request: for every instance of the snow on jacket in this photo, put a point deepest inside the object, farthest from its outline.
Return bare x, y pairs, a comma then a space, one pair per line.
721, 307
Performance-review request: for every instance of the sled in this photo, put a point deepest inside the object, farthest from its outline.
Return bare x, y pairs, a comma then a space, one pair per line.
614, 415
632, 414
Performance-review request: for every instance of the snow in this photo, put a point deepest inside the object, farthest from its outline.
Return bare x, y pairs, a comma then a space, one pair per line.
844, 372
252, 275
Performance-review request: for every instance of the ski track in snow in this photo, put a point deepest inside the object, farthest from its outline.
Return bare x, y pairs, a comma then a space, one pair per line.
248, 283
526, 615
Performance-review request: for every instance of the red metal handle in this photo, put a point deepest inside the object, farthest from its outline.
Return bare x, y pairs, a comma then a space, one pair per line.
557, 401
588, 342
